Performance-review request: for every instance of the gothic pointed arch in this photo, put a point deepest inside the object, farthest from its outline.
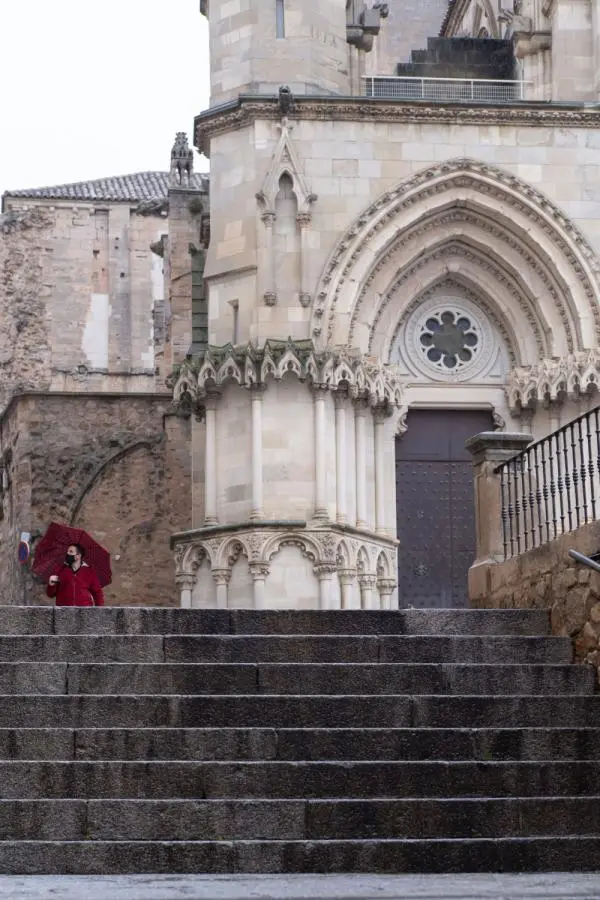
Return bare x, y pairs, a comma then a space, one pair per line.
537, 266
285, 162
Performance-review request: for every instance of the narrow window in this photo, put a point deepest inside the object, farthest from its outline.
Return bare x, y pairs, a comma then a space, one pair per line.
279, 18
235, 305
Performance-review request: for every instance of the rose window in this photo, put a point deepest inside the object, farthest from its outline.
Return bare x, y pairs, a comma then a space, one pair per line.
449, 340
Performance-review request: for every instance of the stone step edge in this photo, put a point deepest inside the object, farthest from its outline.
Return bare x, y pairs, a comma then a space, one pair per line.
307, 801
488, 698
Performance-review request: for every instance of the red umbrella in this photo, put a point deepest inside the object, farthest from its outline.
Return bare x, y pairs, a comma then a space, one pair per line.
51, 550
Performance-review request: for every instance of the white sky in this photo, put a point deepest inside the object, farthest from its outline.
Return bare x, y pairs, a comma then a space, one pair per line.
92, 88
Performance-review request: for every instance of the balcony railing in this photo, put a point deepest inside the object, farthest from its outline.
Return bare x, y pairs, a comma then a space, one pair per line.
552, 487
442, 89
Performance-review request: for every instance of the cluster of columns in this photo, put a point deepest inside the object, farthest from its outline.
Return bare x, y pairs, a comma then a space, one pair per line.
364, 418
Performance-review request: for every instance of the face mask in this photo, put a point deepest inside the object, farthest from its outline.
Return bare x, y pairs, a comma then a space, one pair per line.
69, 559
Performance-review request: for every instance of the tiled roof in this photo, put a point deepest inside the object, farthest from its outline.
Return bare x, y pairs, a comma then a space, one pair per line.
124, 188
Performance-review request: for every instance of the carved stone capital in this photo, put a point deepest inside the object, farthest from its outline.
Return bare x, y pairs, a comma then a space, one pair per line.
221, 576
259, 571
323, 571
367, 581
386, 585
270, 298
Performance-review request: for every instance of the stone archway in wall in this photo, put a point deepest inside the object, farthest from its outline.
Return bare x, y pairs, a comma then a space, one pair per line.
466, 254
125, 507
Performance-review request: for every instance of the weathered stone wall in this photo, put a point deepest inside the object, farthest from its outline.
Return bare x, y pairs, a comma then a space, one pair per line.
114, 465
25, 307
547, 577
88, 284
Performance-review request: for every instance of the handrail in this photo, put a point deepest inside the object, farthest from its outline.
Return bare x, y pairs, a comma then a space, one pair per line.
552, 487
584, 560
434, 78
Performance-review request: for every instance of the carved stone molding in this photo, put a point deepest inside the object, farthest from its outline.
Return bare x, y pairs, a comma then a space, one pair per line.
330, 550
248, 366
250, 108
553, 381
490, 183
444, 225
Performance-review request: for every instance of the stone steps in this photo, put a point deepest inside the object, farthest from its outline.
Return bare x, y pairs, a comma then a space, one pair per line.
146, 740
305, 711
35, 780
293, 678
576, 853
290, 820
154, 621
294, 744
309, 648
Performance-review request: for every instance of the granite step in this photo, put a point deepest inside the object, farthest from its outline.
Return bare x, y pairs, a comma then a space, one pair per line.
532, 854
234, 820
298, 678
283, 649
304, 711
22, 780
26, 620
297, 744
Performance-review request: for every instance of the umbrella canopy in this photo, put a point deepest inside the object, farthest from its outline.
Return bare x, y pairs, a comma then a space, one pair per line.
51, 550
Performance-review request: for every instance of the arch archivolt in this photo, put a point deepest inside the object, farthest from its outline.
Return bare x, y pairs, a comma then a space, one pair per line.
523, 241
508, 304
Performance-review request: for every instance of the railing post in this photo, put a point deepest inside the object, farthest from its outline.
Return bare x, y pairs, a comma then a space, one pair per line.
489, 449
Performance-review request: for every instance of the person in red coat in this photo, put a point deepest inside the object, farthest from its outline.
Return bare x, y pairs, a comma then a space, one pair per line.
75, 583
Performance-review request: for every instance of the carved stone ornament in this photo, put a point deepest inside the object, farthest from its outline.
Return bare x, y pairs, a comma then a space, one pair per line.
286, 161
553, 381
362, 109
492, 184
362, 377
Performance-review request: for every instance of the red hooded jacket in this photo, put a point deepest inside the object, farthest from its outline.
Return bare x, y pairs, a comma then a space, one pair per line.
80, 588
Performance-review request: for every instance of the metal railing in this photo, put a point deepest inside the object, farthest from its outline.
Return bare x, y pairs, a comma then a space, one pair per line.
590, 561
552, 487
465, 89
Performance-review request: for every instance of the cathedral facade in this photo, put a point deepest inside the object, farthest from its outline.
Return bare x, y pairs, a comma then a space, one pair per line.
403, 252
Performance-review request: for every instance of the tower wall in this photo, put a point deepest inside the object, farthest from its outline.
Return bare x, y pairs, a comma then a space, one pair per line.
252, 53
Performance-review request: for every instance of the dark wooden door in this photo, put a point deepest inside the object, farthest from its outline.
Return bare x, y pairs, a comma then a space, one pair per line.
435, 508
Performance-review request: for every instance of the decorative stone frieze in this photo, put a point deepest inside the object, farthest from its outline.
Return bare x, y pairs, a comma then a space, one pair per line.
248, 366
553, 381
249, 109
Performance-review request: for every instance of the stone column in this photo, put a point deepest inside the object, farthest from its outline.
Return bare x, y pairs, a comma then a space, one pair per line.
347, 578
379, 424
210, 463
222, 577
270, 291
361, 465
257, 455
325, 573
259, 573
320, 459
304, 219
340, 457
489, 449
386, 587
185, 583
368, 591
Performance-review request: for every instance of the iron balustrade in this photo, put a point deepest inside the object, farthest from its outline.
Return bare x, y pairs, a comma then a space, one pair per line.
552, 487
442, 89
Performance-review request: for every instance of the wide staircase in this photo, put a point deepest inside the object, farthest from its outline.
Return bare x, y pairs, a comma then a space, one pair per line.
157, 740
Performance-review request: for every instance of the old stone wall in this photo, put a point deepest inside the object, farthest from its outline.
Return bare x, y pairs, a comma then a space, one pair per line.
117, 466
25, 301
547, 577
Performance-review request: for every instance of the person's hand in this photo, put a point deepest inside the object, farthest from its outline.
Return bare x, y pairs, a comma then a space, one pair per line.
53, 580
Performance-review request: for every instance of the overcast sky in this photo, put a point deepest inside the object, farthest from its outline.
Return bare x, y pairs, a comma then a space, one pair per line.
92, 88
